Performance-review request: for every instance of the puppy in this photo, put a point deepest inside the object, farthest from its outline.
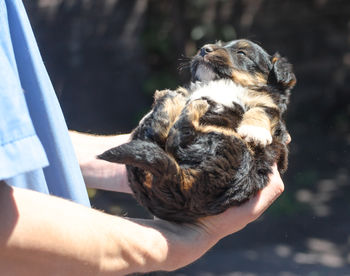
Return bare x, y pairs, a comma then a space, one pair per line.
210, 146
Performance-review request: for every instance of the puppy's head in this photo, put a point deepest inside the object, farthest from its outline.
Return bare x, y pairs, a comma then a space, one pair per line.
244, 62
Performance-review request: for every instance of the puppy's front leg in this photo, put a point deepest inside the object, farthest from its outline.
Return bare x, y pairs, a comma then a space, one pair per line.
187, 125
167, 107
256, 126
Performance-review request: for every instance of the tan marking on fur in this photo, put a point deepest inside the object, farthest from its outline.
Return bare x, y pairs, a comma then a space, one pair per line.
246, 79
255, 102
260, 78
223, 130
274, 59
189, 177
255, 99
219, 57
160, 93
196, 109
149, 180
173, 107
243, 44
292, 83
256, 117
220, 52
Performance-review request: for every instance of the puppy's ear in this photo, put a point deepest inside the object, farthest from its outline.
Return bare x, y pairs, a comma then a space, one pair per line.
282, 72
142, 154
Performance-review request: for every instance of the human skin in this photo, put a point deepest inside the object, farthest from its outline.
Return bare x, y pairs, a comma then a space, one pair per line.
97, 173
47, 235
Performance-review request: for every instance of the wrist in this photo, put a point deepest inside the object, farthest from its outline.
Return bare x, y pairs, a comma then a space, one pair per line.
132, 247
99, 174
88, 146
185, 243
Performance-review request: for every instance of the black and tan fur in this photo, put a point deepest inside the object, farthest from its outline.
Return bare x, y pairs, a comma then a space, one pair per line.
210, 146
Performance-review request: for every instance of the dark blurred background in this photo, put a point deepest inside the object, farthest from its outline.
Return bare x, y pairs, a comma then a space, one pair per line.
107, 57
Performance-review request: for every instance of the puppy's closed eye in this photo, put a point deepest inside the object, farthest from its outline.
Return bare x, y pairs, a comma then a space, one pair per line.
242, 52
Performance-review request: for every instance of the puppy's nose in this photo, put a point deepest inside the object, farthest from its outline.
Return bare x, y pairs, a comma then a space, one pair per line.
205, 50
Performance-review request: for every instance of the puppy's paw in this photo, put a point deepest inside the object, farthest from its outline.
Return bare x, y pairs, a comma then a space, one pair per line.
254, 134
199, 107
162, 93
195, 110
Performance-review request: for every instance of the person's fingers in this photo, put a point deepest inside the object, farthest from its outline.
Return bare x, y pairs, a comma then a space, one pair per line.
266, 196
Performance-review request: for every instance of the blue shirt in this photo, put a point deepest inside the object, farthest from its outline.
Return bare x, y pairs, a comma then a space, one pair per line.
35, 149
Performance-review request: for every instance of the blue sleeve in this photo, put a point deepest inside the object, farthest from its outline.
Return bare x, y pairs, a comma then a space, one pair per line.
20, 148
35, 148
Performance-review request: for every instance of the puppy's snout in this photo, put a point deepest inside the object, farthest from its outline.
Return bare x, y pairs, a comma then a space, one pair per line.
205, 50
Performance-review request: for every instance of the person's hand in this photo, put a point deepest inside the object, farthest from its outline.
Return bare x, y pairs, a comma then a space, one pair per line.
100, 174
187, 242
236, 218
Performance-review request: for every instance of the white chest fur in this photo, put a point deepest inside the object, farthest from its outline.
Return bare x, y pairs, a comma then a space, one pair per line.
222, 91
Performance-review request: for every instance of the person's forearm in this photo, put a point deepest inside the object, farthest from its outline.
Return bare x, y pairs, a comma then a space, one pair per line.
45, 235
100, 174
42, 235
